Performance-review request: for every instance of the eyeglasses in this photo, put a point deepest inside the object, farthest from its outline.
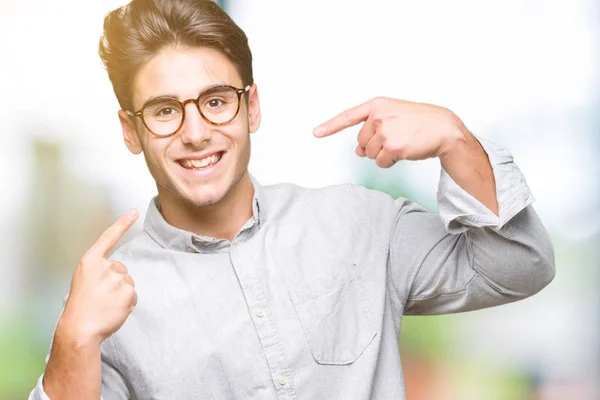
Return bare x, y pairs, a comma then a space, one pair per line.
164, 116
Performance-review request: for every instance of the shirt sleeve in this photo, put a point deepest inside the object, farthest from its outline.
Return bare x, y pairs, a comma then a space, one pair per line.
113, 384
464, 257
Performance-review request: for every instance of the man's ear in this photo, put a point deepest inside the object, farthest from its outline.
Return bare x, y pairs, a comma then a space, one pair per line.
132, 140
253, 109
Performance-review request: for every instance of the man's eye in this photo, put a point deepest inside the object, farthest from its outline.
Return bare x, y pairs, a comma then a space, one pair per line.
214, 103
165, 112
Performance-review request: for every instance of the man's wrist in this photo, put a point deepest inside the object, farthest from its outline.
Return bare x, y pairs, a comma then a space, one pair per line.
75, 336
457, 138
458, 144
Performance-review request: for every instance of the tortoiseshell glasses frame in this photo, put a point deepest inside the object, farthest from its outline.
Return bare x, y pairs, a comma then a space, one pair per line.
180, 105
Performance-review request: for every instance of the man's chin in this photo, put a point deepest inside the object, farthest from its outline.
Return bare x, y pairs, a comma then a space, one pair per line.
205, 196
202, 202
202, 199
201, 194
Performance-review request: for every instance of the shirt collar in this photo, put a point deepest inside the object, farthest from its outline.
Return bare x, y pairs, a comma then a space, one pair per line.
170, 237
259, 202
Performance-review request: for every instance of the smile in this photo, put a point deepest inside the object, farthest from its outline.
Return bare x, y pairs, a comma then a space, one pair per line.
199, 164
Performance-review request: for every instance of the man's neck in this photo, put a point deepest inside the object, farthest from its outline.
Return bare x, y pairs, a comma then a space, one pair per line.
222, 220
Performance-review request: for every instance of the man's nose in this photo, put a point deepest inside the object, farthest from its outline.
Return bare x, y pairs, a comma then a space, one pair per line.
195, 129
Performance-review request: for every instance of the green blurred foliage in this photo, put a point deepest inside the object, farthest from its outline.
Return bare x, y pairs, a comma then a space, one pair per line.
427, 336
23, 354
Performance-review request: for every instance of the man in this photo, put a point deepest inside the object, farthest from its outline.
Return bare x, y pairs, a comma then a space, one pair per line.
238, 291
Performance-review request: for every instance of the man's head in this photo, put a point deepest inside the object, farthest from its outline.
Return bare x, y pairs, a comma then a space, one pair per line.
175, 50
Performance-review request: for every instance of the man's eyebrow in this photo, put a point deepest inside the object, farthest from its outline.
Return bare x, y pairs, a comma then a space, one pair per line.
161, 97
168, 96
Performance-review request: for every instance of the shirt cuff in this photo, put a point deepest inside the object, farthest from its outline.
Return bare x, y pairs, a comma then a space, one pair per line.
459, 210
38, 392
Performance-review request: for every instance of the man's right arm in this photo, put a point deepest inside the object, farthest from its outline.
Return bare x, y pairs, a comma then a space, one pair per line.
73, 371
74, 367
101, 298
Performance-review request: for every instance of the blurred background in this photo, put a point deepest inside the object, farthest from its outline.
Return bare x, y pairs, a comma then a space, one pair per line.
524, 74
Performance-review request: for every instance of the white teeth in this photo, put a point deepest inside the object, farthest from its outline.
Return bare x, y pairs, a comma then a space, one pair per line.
201, 163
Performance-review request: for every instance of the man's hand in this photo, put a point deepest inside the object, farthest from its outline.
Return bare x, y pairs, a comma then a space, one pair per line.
101, 298
102, 294
397, 130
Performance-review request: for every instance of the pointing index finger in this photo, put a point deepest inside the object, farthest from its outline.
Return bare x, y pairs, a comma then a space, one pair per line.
343, 120
107, 241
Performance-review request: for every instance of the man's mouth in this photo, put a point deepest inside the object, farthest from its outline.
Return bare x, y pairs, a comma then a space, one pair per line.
199, 164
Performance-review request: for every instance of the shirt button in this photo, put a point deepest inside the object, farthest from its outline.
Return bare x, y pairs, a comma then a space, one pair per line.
282, 380
260, 313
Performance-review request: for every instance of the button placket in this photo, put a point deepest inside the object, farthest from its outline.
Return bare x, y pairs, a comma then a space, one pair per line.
257, 302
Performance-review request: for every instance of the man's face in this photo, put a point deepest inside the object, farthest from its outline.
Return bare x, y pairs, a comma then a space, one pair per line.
177, 163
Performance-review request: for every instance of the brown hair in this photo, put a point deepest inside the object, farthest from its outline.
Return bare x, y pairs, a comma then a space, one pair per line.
136, 32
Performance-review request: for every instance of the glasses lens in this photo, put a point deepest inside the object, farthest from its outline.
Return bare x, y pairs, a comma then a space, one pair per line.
163, 117
219, 105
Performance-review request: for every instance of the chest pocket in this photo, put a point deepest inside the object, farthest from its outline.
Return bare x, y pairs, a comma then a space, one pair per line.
336, 317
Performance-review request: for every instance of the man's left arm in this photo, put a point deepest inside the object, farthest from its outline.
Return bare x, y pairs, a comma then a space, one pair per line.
483, 258
486, 247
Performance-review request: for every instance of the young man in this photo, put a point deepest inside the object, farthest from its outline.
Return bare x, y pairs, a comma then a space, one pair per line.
238, 291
